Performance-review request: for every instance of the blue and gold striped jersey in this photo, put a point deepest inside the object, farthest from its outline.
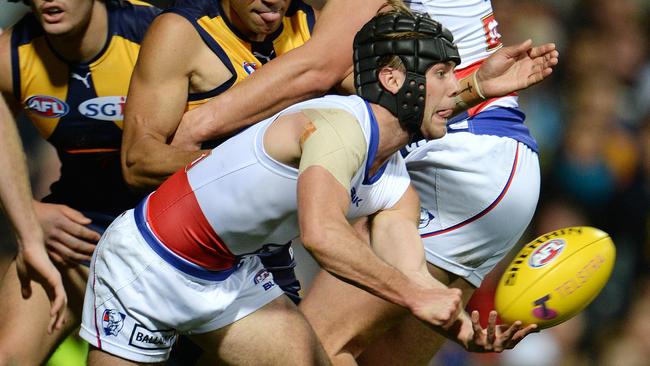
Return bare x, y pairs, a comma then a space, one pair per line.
240, 55
78, 107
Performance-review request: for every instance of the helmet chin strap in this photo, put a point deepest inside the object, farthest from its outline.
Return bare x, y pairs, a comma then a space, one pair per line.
419, 42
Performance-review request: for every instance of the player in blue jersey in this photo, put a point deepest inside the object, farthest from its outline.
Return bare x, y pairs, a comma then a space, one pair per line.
67, 64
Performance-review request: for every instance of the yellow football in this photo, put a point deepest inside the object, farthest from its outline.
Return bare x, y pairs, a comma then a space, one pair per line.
555, 276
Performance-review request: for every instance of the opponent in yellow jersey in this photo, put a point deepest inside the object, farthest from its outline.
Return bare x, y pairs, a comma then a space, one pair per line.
79, 106
68, 65
239, 54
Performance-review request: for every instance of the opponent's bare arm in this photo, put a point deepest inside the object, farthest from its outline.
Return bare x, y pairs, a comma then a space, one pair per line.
305, 72
156, 101
32, 262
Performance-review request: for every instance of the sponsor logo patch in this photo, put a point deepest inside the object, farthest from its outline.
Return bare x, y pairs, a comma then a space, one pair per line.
542, 311
144, 338
47, 106
112, 321
546, 253
109, 108
354, 198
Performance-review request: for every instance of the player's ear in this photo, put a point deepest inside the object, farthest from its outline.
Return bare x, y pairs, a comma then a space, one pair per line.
391, 78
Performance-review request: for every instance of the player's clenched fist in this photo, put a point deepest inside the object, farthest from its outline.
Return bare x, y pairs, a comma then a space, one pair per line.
438, 306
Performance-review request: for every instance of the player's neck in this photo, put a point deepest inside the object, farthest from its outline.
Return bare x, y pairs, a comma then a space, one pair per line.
85, 43
392, 136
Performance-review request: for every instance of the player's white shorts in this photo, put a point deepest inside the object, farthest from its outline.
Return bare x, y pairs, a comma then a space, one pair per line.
136, 302
478, 194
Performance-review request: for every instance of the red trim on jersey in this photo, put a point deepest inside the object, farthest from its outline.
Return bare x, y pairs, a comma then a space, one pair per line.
175, 217
468, 70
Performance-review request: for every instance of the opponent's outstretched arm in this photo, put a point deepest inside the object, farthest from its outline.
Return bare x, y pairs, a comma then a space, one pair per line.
307, 71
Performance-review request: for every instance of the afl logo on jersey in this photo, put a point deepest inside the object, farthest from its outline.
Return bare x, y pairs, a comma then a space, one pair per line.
104, 108
47, 106
249, 67
546, 253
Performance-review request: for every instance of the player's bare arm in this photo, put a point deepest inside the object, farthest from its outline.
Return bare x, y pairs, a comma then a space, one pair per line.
32, 262
395, 237
157, 99
322, 204
6, 78
307, 71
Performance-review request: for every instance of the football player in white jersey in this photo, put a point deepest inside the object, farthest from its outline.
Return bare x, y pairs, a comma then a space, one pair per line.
180, 262
478, 186
323, 61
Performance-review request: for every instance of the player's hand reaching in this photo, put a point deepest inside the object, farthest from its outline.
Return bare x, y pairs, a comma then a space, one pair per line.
515, 68
496, 338
33, 264
67, 239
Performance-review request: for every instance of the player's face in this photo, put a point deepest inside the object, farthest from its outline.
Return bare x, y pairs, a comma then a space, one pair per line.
441, 87
62, 17
258, 18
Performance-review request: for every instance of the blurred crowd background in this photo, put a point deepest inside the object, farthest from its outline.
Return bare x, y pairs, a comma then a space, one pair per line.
591, 119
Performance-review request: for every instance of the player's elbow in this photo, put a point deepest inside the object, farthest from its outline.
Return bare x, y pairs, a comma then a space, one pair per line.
134, 175
315, 238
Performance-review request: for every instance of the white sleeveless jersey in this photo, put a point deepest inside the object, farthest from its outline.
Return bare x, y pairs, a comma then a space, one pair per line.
238, 198
470, 21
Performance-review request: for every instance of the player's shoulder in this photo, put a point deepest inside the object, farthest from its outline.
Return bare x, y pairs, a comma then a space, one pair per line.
171, 27
169, 40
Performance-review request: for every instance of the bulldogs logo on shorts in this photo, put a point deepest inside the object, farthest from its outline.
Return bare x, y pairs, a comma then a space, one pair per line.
264, 277
112, 321
425, 218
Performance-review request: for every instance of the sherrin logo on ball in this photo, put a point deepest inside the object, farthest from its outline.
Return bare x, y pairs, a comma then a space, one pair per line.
555, 276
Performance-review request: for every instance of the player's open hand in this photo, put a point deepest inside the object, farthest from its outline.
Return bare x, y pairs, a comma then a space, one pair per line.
67, 238
515, 68
33, 264
496, 338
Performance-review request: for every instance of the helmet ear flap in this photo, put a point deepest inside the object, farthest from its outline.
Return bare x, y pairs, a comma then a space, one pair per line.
419, 42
